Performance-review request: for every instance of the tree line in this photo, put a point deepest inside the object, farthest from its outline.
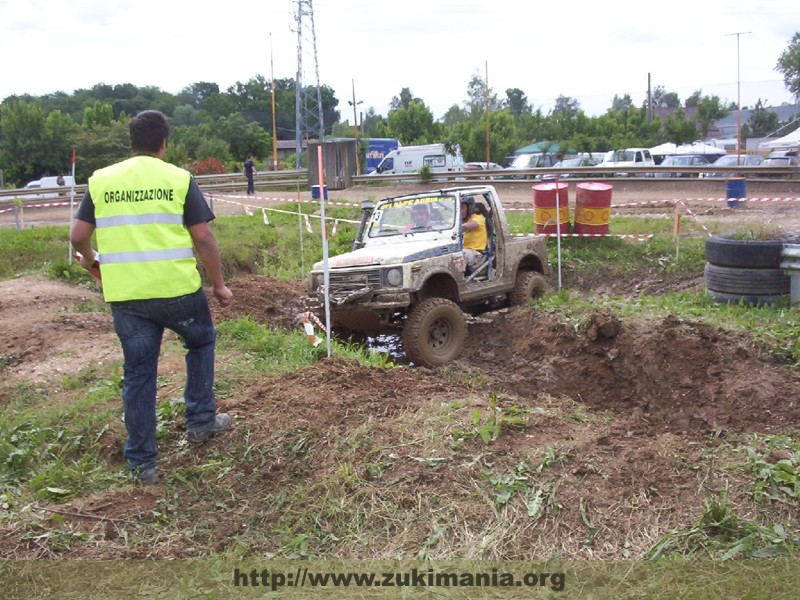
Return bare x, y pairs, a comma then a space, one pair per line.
213, 131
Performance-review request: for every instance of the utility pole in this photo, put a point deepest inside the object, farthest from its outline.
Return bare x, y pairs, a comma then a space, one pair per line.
487, 115
355, 127
274, 129
738, 100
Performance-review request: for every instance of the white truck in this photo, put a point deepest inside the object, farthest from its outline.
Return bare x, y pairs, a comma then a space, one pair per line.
412, 278
410, 159
629, 157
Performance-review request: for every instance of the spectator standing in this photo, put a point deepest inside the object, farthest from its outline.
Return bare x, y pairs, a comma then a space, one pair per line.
250, 172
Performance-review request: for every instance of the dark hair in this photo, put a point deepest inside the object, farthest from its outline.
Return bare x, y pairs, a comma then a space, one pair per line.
148, 131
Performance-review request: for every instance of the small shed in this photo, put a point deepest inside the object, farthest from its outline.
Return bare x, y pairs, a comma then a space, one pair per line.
338, 163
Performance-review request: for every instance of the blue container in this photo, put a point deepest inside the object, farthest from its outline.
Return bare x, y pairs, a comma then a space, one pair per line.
735, 188
315, 192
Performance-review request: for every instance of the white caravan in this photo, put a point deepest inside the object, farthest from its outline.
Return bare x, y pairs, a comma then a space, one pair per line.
410, 159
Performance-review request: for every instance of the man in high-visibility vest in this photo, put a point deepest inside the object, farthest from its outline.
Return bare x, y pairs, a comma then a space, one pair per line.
150, 218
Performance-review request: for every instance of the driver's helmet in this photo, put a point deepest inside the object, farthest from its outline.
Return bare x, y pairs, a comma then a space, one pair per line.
420, 213
470, 202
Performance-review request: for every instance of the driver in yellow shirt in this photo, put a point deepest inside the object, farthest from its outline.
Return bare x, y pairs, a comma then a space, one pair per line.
473, 226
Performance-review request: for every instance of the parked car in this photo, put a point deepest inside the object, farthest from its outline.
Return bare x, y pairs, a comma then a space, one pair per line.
531, 161
506, 162
571, 163
733, 160
628, 157
481, 166
780, 159
683, 160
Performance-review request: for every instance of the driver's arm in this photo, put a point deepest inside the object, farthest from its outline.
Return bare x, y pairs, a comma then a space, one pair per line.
470, 225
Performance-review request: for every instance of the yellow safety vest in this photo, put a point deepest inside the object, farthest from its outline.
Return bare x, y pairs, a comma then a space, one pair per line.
145, 250
477, 238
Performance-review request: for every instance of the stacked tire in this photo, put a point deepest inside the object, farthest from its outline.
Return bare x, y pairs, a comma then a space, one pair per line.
748, 271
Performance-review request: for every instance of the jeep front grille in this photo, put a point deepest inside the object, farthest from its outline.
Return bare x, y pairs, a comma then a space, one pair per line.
370, 278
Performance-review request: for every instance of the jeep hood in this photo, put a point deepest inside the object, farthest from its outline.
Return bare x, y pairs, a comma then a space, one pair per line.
390, 254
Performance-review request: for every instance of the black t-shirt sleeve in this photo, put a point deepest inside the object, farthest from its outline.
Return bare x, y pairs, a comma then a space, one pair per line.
196, 209
86, 209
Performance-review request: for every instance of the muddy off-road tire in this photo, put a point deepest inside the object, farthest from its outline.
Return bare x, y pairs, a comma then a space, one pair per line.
434, 332
726, 251
529, 285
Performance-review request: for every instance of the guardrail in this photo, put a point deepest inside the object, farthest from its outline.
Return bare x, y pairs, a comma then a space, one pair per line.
587, 173
226, 182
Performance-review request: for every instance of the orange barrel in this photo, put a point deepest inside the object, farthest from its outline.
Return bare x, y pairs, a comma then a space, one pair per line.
544, 207
592, 207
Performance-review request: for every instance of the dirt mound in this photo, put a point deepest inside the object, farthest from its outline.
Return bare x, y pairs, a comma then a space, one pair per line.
264, 299
676, 375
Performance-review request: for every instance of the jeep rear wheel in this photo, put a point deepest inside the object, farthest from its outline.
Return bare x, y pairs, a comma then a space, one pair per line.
434, 332
529, 285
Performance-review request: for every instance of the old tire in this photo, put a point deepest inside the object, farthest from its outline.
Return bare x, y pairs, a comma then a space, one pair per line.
529, 285
434, 332
726, 251
751, 286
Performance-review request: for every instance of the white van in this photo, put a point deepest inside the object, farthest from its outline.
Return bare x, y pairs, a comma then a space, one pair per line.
629, 157
52, 186
410, 159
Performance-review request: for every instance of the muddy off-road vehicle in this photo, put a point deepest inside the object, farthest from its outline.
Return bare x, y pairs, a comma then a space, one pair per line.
407, 272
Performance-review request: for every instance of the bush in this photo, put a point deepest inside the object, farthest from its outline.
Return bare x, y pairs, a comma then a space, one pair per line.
207, 166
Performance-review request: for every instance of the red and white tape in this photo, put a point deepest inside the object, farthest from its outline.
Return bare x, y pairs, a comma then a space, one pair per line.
309, 319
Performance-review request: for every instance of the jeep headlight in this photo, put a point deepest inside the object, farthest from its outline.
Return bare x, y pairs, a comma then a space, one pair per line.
394, 277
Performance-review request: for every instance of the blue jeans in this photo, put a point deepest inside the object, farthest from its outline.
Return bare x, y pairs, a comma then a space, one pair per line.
140, 326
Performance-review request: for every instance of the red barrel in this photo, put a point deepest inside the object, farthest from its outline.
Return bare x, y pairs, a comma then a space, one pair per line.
544, 207
592, 207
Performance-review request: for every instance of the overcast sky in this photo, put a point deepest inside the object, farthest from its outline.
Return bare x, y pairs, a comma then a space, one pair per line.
587, 50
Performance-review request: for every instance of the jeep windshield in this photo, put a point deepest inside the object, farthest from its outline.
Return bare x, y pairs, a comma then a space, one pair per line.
412, 216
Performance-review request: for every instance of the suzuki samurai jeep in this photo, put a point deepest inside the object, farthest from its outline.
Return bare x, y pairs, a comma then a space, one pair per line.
409, 274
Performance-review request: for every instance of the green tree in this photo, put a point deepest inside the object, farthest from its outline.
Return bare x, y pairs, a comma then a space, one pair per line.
60, 130
475, 104
566, 106
517, 102
789, 66
373, 124
213, 147
454, 115
678, 128
100, 114
624, 103
709, 109
693, 99
415, 124
761, 122
101, 146
33, 143
662, 98
403, 100
502, 131
243, 138
176, 154
197, 94
191, 136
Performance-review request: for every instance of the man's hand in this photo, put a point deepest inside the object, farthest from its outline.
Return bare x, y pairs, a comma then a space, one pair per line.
87, 262
223, 295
